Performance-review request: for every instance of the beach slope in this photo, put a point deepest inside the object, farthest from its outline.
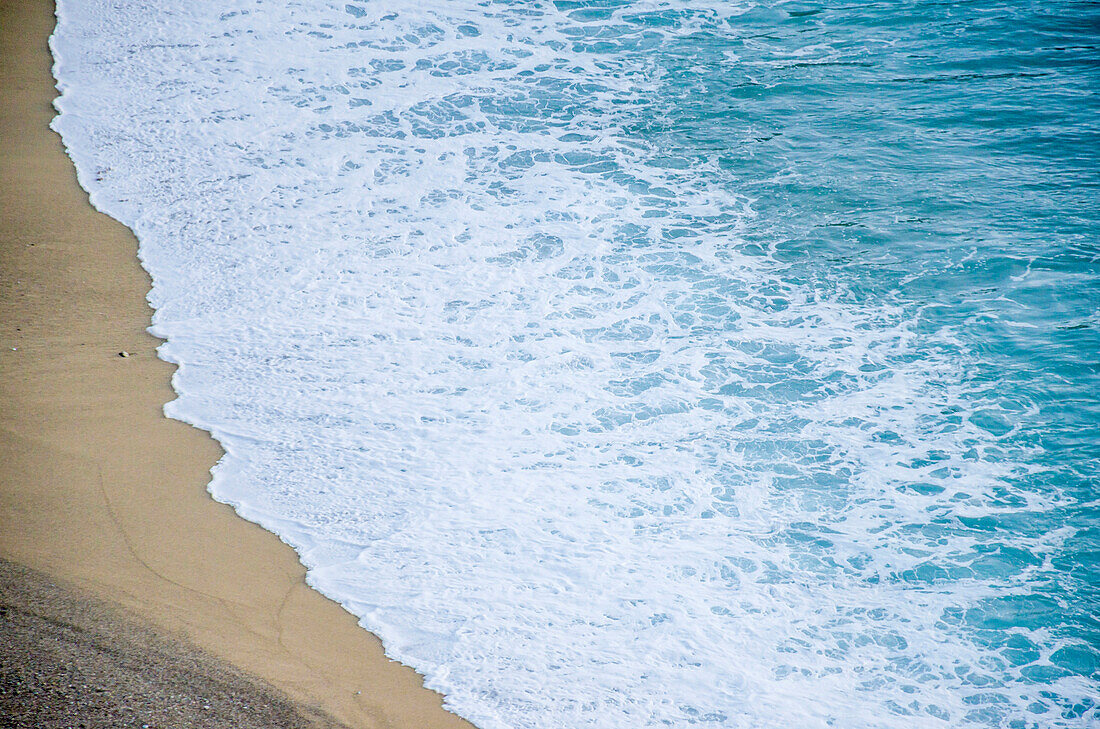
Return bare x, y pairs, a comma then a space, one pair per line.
97, 488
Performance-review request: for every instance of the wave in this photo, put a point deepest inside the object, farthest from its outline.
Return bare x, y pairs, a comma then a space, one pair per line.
491, 308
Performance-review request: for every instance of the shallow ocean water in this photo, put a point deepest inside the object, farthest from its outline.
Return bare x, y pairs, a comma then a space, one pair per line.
629, 364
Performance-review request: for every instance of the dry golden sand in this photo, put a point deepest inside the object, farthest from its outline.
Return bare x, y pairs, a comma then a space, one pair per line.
97, 487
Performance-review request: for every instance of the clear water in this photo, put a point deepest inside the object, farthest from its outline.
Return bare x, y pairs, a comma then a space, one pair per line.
640, 364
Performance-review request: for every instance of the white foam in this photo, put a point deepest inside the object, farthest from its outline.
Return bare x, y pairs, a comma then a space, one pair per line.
507, 380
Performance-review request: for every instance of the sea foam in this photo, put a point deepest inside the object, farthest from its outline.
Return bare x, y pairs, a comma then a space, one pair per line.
502, 327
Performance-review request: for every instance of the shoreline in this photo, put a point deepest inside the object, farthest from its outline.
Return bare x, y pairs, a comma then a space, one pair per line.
98, 488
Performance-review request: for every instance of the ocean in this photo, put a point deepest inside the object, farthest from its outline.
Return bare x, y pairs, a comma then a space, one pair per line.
654, 363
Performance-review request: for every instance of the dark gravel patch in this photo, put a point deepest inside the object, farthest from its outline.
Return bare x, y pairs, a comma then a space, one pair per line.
67, 660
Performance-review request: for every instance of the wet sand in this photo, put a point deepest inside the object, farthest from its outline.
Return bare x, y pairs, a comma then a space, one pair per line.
97, 488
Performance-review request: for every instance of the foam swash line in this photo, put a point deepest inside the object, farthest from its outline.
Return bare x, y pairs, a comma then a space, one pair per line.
638, 364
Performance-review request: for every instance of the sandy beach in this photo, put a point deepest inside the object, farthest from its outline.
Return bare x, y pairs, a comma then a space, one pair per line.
70, 660
100, 491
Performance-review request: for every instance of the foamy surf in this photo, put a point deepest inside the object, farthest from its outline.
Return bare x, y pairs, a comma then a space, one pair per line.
607, 365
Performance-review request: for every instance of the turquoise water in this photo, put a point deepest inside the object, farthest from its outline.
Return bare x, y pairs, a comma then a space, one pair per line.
942, 161
629, 364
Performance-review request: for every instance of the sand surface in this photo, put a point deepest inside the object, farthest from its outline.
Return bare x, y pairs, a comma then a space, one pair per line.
67, 660
97, 487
